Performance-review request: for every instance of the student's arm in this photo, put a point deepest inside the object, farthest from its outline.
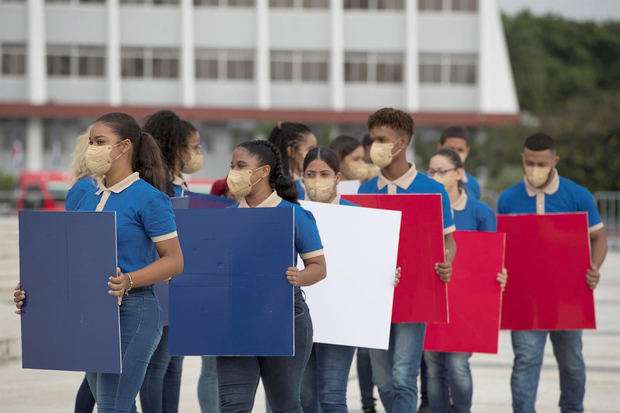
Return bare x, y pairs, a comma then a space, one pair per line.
598, 243
170, 263
444, 269
315, 271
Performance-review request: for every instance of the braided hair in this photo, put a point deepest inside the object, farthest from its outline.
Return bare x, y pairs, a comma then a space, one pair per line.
288, 135
268, 154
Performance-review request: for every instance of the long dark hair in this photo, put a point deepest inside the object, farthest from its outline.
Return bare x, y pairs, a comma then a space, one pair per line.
324, 154
454, 159
343, 145
268, 154
171, 133
146, 158
288, 135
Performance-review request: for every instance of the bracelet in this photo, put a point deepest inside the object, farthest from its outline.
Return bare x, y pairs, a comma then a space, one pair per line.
130, 282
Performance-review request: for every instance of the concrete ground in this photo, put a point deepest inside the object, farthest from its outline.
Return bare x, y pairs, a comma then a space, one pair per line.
30, 391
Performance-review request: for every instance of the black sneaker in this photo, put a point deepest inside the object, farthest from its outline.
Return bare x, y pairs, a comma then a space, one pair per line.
369, 410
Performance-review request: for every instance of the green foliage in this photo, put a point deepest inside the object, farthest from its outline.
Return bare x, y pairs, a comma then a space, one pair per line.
7, 182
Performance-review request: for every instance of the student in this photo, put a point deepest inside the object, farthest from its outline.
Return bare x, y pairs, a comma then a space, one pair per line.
325, 380
543, 191
257, 180
350, 154
449, 375
457, 138
148, 247
373, 170
82, 180
395, 371
180, 148
293, 140
179, 142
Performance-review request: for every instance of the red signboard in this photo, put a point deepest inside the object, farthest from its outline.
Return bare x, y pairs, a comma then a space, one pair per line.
420, 296
475, 296
547, 257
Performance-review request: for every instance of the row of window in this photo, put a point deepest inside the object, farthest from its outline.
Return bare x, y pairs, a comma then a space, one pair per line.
423, 5
238, 64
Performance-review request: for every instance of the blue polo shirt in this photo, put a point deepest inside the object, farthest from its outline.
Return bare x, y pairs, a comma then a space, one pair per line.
412, 182
561, 195
179, 186
144, 216
472, 186
301, 190
77, 191
473, 215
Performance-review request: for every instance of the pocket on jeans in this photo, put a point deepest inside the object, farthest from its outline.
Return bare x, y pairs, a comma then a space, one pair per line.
132, 303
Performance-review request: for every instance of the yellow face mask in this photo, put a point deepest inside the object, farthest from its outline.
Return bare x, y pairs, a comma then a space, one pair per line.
194, 164
98, 160
240, 182
381, 153
320, 189
357, 170
537, 175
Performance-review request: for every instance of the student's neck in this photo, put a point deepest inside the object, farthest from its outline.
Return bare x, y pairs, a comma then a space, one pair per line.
258, 195
396, 169
114, 176
334, 196
454, 194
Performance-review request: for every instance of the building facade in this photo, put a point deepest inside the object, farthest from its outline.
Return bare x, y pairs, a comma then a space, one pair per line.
225, 63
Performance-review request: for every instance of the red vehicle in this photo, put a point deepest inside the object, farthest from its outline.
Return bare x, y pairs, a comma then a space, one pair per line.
42, 190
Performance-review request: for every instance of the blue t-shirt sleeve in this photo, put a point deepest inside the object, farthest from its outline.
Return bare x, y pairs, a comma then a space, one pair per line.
158, 217
77, 192
585, 202
307, 239
486, 219
448, 219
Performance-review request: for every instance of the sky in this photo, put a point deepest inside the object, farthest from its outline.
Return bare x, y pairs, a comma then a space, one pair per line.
598, 10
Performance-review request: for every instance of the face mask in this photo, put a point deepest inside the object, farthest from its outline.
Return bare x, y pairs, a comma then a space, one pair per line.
448, 180
537, 175
240, 182
381, 154
320, 189
373, 170
463, 156
97, 158
357, 170
194, 164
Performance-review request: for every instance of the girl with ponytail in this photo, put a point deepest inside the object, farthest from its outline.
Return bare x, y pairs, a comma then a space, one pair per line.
257, 181
148, 250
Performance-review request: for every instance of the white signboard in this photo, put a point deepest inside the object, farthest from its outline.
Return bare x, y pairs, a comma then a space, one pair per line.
352, 306
348, 187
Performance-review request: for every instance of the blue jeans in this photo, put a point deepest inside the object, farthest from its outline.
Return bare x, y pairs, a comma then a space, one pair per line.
141, 326
364, 376
162, 383
529, 347
448, 375
324, 386
395, 371
282, 376
84, 400
208, 393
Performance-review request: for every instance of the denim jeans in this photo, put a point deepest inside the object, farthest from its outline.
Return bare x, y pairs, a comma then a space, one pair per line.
448, 375
282, 376
395, 371
162, 383
208, 393
529, 347
364, 377
324, 387
141, 327
423, 383
84, 400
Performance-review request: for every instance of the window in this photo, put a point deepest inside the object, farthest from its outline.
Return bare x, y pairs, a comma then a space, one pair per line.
206, 2
59, 61
132, 62
463, 69
91, 61
165, 63
430, 5
229, 3
232, 64
464, 5
375, 4
151, 2
306, 66
13, 59
373, 67
316, 4
448, 68
430, 68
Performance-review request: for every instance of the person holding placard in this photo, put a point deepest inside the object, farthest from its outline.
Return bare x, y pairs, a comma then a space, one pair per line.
543, 191
395, 371
457, 138
293, 140
325, 380
257, 180
179, 142
448, 374
148, 248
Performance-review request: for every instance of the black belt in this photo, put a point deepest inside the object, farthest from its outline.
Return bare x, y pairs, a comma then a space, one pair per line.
140, 289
